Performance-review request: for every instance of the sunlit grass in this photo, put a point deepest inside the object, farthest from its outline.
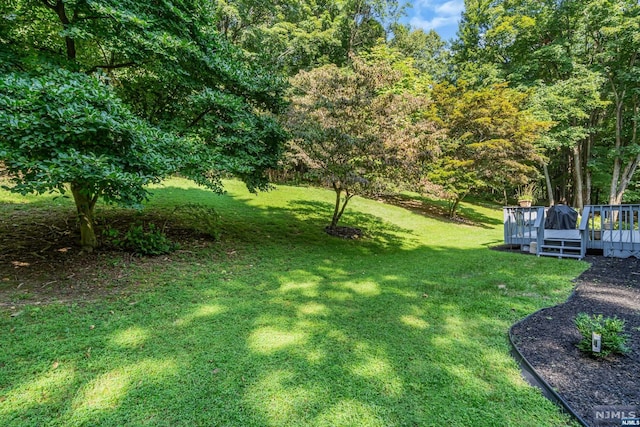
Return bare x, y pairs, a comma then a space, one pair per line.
279, 324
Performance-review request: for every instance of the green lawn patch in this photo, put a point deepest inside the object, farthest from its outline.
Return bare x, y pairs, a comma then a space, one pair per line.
279, 324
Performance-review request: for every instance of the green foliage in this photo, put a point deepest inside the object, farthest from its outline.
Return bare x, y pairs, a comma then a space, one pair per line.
109, 96
63, 127
202, 218
611, 330
302, 35
427, 49
356, 126
491, 142
141, 241
581, 57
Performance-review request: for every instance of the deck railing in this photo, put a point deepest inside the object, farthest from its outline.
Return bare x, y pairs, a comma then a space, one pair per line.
522, 224
614, 229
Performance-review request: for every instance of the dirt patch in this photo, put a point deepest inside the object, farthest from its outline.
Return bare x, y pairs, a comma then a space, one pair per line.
41, 262
548, 340
344, 232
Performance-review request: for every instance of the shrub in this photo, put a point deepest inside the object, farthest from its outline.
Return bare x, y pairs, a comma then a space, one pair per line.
202, 218
152, 241
611, 329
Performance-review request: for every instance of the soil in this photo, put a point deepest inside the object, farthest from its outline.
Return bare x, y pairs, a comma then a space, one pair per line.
344, 232
548, 340
40, 263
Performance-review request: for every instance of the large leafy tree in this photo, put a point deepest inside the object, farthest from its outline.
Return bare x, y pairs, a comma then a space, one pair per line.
109, 95
491, 142
429, 52
301, 35
357, 126
583, 53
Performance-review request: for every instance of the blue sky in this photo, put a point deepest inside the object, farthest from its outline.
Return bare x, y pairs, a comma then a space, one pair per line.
439, 15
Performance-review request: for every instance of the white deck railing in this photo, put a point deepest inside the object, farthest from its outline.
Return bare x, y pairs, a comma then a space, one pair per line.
613, 228
521, 225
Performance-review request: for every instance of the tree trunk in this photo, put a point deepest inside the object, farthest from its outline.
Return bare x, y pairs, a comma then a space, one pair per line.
614, 189
85, 203
547, 180
620, 180
577, 178
339, 210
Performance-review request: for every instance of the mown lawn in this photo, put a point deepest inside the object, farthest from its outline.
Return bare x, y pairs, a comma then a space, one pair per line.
279, 324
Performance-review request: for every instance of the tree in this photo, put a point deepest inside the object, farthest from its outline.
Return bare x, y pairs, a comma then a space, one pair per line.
428, 50
491, 142
180, 98
301, 35
351, 128
568, 46
64, 129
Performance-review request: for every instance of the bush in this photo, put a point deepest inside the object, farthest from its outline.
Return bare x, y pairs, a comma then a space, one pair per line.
611, 329
202, 218
152, 241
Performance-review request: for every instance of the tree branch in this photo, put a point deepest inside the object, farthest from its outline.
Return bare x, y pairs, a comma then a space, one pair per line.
199, 117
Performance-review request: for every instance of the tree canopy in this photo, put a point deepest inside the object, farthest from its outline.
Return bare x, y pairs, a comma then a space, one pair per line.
107, 96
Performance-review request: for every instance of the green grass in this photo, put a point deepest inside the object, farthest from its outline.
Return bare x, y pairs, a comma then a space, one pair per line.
279, 324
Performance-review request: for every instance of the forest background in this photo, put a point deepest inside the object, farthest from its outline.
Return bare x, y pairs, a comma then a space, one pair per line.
102, 97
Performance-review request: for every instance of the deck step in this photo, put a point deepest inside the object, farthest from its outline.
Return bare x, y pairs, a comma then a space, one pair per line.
561, 255
562, 248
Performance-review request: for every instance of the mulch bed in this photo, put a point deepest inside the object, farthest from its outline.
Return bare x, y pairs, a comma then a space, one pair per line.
548, 339
344, 232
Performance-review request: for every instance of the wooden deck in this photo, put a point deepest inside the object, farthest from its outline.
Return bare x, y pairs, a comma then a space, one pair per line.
611, 228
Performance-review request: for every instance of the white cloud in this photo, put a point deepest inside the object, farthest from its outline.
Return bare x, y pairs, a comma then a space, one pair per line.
436, 14
450, 9
434, 23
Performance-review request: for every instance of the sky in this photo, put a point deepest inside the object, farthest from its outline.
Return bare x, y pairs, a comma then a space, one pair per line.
439, 15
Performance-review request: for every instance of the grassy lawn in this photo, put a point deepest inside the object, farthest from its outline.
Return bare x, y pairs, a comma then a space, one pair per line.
279, 324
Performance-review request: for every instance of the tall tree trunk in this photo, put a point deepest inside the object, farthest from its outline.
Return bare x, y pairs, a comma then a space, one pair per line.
547, 180
621, 179
614, 189
85, 203
587, 171
577, 178
59, 8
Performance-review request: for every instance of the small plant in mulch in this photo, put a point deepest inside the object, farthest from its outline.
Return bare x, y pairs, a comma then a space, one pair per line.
611, 330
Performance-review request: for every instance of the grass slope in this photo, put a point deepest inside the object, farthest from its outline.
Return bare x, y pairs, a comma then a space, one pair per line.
279, 324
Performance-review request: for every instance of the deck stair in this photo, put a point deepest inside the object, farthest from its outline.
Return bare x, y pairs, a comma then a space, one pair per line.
562, 244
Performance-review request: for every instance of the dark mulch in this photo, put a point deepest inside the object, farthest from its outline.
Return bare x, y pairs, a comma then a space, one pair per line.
344, 232
548, 339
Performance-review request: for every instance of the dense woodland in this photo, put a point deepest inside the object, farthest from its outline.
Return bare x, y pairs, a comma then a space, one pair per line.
102, 97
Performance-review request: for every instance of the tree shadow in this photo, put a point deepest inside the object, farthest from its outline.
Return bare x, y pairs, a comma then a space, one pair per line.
302, 329
438, 209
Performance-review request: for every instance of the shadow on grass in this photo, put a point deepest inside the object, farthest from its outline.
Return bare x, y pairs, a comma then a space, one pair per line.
303, 329
439, 209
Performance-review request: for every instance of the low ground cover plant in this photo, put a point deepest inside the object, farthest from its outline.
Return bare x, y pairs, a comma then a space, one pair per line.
610, 329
